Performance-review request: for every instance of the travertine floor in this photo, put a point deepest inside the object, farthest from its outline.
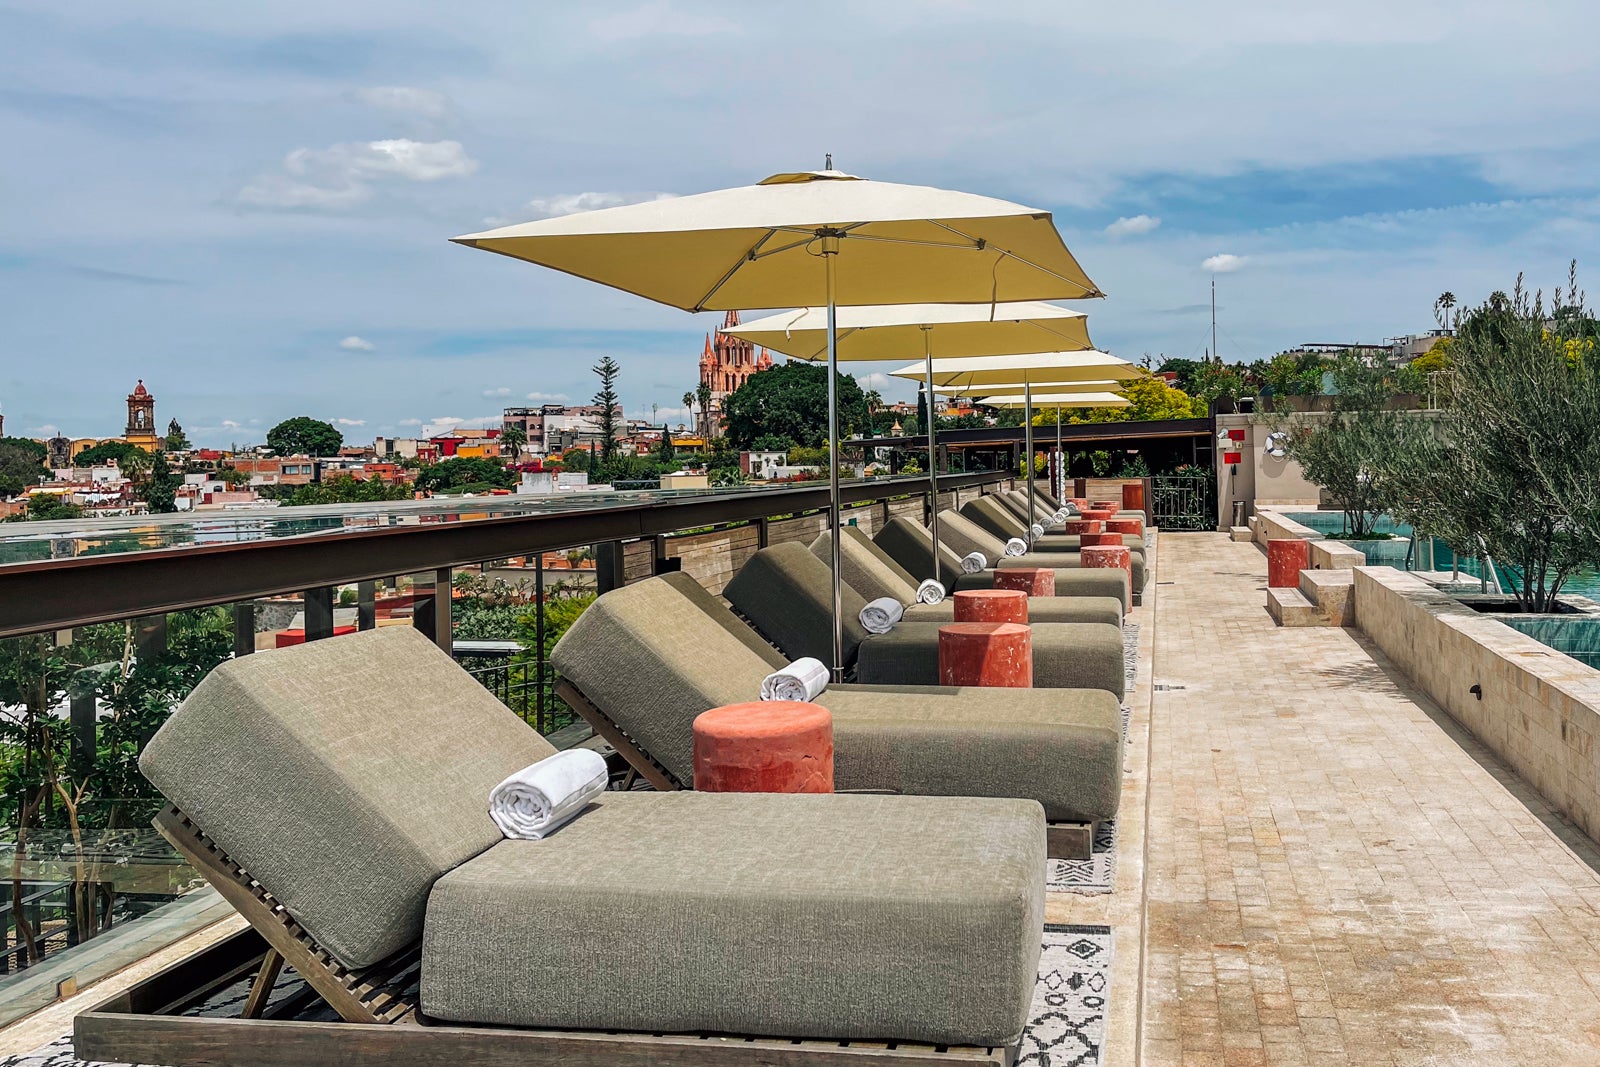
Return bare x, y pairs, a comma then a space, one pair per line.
1335, 873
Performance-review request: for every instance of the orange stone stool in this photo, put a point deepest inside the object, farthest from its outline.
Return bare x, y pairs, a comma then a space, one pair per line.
1082, 526
765, 746
1089, 540
1080, 502
1099, 514
992, 605
1035, 581
1106, 505
1133, 497
1107, 556
1286, 558
1125, 526
986, 653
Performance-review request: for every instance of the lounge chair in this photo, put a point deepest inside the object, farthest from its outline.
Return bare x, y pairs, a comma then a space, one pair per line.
643, 660
993, 514
966, 536
787, 594
910, 545
873, 573
336, 794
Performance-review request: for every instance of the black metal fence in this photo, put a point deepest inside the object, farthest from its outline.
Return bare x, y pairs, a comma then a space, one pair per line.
1184, 502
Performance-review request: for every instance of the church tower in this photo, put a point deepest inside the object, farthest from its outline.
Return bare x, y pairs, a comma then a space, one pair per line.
141, 428
727, 363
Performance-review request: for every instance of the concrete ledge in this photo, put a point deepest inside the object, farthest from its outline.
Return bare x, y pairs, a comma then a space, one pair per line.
1289, 608
1270, 524
1239, 533
1535, 708
1333, 594
1329, 555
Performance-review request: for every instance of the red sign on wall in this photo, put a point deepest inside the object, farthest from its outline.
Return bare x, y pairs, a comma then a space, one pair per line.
1232, 457
1236, 435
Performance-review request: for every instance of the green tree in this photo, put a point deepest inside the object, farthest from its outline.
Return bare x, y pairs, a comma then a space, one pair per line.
1348, 452
461, 471
43, 507
605, 398
702, 394
790, 400
159, 491
21, 465
303, 435
1507, 469
512, 438
575, 459
177, 440
340, 489
134, 462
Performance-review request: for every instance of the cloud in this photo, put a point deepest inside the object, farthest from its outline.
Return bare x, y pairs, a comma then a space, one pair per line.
659, 19
548, 398
409, 422
502, 391
572, 203
1222, 263
424, 103
356, 344
49, 429
1130, 225
229, 424
876, 380
343, 175
349, 422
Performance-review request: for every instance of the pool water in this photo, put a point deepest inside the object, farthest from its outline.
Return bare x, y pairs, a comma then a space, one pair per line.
1577, 637
1393, 553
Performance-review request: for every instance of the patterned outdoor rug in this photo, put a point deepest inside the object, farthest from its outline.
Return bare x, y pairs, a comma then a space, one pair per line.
1067, 1022
1098, 873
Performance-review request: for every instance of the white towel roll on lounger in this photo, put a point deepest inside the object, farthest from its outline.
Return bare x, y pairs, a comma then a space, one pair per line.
930, 592
1016, 547
973, 562
1061, 514
1036, 530
804, 679
538, 799
879, 616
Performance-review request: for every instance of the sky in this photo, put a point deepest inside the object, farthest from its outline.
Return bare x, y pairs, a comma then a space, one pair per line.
248, 206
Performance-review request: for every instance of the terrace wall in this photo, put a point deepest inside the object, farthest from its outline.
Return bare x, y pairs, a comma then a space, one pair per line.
1537, 709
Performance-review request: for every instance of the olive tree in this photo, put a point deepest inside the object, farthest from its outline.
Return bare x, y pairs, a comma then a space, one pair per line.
1510, 469
1344, 451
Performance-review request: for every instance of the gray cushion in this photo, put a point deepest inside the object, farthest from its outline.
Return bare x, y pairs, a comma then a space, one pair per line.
1073, 582
1061, 747
910, 544
994, 517
871, 918
1065, 656
865, 571
347, 775
718, 612
787, 593
652, 659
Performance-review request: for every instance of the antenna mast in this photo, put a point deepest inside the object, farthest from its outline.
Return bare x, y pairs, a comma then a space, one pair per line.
1214, 353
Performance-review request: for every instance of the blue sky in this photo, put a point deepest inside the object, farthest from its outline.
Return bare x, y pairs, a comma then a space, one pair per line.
248, 206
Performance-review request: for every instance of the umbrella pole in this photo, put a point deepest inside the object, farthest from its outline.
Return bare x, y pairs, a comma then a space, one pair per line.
1027, 434
1060, 488
830, 252
933, 453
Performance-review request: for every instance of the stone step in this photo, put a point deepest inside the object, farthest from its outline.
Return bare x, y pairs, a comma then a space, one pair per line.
1239, 533
1333, 593
1288, 608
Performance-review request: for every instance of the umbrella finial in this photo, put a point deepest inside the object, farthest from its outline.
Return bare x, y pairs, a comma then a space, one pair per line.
828, 164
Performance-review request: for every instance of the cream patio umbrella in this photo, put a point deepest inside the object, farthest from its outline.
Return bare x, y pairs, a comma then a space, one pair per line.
758, 246
900, 331
1000, 373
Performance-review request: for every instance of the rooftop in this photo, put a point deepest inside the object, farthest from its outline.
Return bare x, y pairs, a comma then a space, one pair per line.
1313, 863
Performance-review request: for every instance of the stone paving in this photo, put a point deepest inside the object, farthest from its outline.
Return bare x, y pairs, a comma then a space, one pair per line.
1336, 873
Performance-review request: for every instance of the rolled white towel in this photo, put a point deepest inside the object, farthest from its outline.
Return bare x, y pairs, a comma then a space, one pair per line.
1036, 530
538, 799
1016, 547
973, 562
804, 679
1061, 514
930, 592
879, 616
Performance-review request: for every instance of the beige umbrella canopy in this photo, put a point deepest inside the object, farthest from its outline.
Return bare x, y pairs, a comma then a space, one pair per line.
759, 246
1057, 400
1038, 368
895, 331
1015, 391
902, 331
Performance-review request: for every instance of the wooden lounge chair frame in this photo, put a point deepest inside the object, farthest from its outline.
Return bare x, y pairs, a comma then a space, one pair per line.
1063, 840
383, 1026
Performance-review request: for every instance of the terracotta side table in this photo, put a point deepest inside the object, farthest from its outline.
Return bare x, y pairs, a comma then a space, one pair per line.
765, 746
987, 654
991, 605
1035, 581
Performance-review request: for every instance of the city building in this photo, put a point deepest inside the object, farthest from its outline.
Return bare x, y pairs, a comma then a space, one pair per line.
277, 470
553, 428
725, 364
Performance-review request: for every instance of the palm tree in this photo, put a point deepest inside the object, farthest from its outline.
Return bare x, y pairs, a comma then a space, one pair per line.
688, 406
1441, 308
703, 394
